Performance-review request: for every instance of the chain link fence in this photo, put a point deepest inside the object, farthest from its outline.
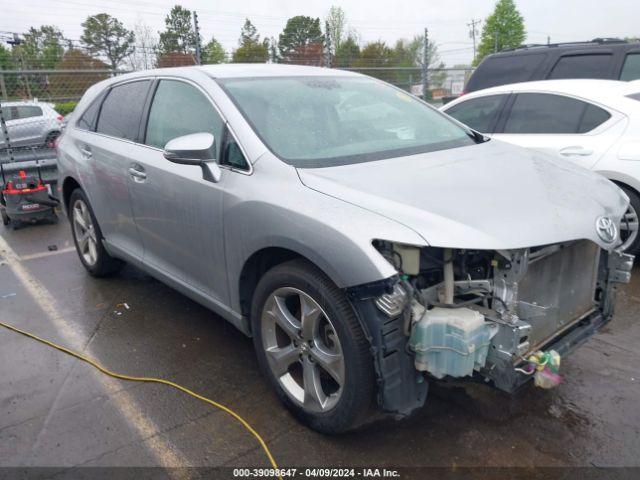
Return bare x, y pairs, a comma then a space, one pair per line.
34, 105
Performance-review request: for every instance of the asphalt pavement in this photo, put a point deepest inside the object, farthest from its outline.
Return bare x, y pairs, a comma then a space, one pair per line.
60, 413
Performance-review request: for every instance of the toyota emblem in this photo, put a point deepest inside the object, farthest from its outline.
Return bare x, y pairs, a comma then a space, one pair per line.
606, 229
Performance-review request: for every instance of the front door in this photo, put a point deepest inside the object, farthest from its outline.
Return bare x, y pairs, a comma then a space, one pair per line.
178, 214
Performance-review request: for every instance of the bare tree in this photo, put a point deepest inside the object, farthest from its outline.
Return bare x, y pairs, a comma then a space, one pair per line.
144, 54
337, 26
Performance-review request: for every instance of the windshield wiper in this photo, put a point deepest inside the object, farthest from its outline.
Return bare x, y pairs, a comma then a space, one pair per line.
477, 136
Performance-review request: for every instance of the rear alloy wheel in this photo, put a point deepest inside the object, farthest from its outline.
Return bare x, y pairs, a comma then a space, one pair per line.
87, 237
311, 347
629, 224
85, 233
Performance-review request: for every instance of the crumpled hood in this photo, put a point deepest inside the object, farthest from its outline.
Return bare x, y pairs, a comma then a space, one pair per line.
487, 196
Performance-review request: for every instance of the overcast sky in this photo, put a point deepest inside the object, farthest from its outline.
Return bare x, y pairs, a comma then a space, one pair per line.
562, 20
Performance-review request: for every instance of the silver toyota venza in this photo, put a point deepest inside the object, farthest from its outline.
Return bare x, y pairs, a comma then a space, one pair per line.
368, 243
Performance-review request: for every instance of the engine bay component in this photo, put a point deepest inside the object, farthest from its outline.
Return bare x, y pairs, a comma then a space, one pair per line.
392, 304
450, 342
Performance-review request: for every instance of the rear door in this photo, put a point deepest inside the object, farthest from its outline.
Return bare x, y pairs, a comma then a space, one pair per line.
565, 127
179, 215
107, 147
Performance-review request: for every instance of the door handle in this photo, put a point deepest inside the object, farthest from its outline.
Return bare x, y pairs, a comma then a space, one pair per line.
137, 174
575, 151
86, 151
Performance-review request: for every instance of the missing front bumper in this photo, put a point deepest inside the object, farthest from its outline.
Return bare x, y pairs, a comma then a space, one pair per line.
502, 374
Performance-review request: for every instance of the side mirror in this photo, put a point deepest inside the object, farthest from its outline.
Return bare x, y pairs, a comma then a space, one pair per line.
196, 149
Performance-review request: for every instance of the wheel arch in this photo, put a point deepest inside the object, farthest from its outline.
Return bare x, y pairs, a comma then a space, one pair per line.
69, 184
621, 179
259, 263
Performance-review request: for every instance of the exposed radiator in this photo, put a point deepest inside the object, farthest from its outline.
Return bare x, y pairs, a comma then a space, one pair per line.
558, 289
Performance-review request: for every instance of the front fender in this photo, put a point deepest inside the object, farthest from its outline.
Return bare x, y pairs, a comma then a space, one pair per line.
271, 208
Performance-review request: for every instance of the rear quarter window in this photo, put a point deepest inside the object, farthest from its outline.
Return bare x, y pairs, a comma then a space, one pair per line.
582, 66
592, 118
631, 68
502, 70
88, 119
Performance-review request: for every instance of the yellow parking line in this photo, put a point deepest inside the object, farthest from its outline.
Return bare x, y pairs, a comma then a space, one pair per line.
164, 453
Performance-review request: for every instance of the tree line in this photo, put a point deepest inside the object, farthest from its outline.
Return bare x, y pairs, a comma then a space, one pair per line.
106, 43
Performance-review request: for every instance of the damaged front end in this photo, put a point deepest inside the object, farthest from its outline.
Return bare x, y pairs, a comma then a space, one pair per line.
454, 313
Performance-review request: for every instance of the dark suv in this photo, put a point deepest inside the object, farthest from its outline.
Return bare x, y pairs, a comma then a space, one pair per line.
602, 58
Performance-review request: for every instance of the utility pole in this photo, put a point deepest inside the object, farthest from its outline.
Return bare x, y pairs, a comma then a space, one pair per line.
425, 65
327, 53
197, 31
495, 41
14, 43
548, 40
473, 32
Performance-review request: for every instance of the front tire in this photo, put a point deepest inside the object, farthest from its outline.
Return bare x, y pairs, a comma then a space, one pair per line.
311, 347
87, 237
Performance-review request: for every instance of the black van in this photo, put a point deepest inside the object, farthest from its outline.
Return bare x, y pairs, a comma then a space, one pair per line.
605, 58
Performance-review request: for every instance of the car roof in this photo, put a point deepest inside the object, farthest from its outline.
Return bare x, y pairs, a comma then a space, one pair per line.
562, 48
240, 70
22, 103
608, 92
235, 70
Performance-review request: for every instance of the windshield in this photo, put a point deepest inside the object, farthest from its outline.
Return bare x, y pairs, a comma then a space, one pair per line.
327, 121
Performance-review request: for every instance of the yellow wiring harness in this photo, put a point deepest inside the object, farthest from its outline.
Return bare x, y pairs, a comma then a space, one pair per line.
120, 376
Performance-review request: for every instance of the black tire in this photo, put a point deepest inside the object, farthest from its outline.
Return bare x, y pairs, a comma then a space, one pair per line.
5, 217
51, 137
105, 264
354, 404
634, 198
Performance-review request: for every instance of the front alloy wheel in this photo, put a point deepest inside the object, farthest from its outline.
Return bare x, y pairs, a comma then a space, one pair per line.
302, 349
629, 228
311, 347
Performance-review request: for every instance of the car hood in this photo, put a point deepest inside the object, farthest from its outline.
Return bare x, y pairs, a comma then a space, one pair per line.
487, 196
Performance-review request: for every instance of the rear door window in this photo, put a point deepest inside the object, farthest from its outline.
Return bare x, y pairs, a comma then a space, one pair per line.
122, 110
502, 70
179, 109
552, 114
631, 68
582, 66
479, 113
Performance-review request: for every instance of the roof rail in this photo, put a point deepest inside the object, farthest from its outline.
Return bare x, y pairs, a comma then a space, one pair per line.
596, 41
